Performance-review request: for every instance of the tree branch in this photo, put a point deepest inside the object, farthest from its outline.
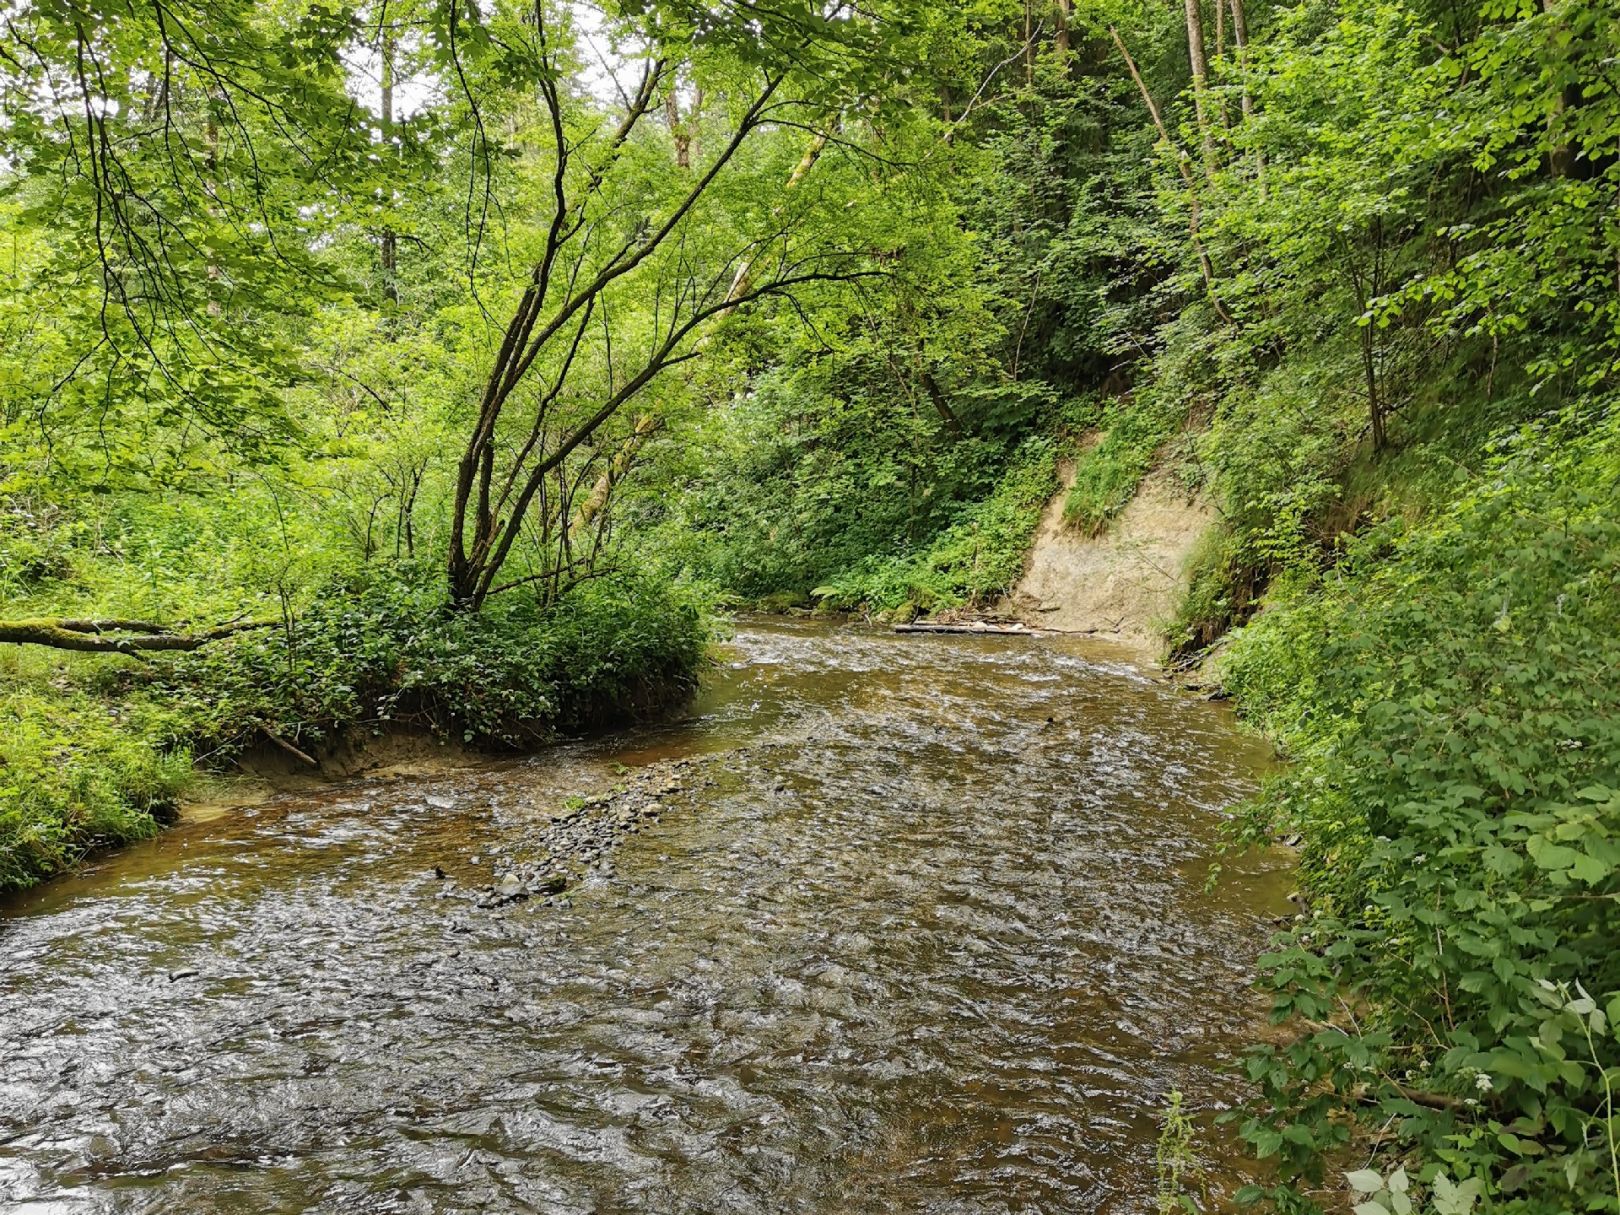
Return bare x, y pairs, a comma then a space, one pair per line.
114, 636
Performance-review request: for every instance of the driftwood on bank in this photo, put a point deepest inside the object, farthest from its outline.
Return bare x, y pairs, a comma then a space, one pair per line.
975, 626
115, 636
297, 753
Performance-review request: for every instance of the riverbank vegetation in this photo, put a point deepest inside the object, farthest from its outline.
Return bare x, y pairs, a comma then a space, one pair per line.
448, 363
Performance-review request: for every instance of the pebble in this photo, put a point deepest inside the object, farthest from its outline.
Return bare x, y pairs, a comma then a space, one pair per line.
575, 840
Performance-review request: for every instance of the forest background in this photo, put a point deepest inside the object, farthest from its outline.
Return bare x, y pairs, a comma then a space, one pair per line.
449, 364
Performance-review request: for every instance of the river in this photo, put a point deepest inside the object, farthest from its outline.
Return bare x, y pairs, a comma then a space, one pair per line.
924, 928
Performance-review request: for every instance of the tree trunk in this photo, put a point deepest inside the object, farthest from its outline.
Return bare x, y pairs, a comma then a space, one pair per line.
211, 189
647, 425
743, 279
681, 126
390, 284
1240, 37
1200, 76
1029, 44
1194, 210
1366, 335
114, 636
942, 406
1061, 38
500, 477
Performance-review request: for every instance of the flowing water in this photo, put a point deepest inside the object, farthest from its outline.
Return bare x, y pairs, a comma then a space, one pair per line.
937, 938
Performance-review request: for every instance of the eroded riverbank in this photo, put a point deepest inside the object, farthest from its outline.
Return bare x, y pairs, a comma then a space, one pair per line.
920, 926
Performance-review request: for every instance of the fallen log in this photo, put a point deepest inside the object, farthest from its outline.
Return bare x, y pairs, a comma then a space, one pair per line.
114, 636
976, 626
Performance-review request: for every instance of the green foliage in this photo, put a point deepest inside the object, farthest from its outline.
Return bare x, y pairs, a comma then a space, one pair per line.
1449, 697
1392, 1195
1107, 473
380, 650
972, 561
77, 774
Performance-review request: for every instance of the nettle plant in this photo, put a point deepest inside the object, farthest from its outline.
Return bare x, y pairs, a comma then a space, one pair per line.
1391, 1195
1570, 1033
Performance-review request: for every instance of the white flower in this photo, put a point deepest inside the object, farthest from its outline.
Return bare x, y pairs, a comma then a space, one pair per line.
1482, 1082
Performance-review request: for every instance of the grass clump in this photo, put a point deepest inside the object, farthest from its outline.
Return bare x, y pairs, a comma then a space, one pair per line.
1106, 474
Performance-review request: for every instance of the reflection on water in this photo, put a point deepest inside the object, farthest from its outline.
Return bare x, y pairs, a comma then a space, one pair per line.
935, 940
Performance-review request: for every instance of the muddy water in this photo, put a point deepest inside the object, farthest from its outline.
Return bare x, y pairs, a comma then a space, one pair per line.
935, 939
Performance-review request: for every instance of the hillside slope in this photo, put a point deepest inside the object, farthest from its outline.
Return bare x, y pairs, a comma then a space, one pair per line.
1124, 583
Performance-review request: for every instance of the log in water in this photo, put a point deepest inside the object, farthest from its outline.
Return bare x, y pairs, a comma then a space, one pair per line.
922, 926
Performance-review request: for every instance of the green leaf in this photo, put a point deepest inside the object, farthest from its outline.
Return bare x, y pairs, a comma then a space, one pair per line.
1550, 856
1365, 1181
1590, 869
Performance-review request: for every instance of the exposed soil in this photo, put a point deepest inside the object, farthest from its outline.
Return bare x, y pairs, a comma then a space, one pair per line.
1121, 585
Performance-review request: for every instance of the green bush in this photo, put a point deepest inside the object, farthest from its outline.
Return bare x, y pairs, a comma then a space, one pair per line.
78, 774
974, 560
103, 759
386, 649
1451, 697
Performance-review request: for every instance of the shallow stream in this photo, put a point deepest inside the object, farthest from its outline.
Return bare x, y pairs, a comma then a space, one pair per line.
925, 929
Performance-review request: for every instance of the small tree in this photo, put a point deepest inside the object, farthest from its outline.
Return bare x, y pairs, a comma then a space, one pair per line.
637, 258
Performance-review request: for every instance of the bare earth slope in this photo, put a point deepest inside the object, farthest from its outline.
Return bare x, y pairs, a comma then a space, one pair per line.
1124, 583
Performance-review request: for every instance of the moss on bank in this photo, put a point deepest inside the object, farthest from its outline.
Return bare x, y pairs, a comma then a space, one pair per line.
97, 751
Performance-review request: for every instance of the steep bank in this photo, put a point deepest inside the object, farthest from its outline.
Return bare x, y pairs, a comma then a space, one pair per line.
1122, 584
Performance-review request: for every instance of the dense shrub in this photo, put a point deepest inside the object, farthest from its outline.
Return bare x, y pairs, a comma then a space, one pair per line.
1450, 695
383, 649
974, 560
102, 762
77, 773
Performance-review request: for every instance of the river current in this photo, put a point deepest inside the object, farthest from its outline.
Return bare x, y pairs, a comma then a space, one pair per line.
926, 929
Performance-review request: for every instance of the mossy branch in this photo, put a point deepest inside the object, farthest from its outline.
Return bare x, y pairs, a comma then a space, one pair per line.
115, 636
